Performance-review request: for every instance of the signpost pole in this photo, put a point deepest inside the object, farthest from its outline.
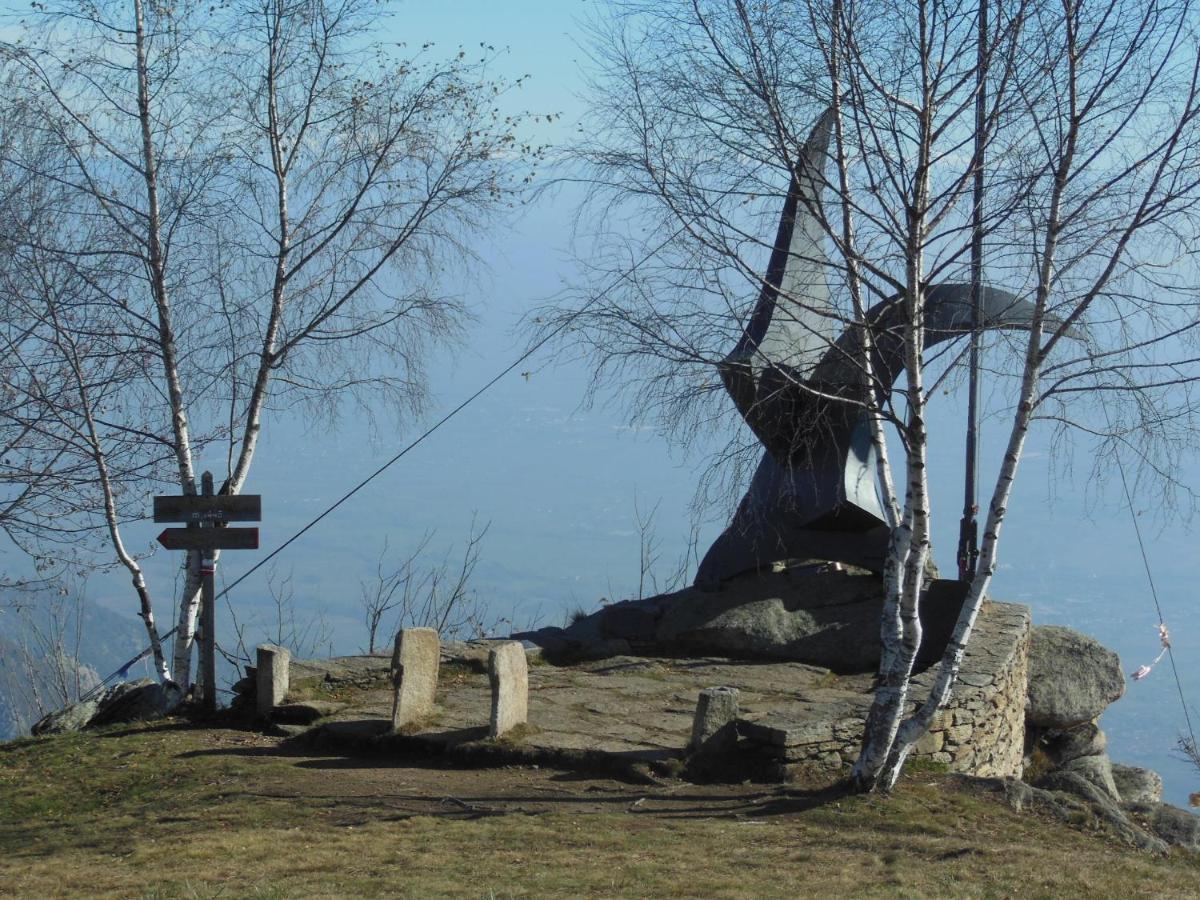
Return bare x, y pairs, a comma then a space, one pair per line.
208, 649
207, 516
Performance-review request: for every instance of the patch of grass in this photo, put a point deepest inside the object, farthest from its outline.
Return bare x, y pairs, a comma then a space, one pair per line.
175, 811
320, 689
923, 765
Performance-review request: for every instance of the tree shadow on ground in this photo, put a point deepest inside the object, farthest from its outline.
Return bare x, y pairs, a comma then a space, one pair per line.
667, 804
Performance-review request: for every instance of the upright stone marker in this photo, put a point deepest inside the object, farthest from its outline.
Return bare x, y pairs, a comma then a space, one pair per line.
509, 674
714, 730
273, 676
414, 674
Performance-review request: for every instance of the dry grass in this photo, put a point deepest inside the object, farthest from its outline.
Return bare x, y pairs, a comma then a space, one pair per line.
174, 811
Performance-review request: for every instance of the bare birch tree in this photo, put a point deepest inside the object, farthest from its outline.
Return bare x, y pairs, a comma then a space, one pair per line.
253, 204
36, 474
418, 593
1089, 150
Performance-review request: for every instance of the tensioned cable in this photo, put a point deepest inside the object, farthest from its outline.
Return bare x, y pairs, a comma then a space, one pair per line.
537, 346
448, 416
123, 670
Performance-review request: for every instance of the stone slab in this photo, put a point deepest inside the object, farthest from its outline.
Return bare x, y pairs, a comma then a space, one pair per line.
714, 728
273, 673
415, 662
508, 673
781, 730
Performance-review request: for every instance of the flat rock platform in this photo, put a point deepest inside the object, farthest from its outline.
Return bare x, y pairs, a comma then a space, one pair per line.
629, 709
635, 713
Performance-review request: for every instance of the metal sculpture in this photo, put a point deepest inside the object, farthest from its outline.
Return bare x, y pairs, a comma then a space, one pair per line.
798, 376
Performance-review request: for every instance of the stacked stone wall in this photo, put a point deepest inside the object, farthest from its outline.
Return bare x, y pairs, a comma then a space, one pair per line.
982, 729
981, 732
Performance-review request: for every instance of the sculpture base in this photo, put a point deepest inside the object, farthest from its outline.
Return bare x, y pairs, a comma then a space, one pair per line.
822, 617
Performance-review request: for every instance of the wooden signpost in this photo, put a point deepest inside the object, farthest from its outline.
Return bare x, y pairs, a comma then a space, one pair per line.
209, 538
205, 508
206, 515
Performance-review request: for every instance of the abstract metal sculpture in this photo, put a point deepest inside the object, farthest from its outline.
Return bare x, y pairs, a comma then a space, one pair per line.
803, 388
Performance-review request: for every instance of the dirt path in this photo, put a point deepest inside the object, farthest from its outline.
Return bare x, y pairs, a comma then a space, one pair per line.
354, 785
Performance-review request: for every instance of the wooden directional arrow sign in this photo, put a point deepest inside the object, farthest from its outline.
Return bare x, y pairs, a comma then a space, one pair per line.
207, 515
199, 508
209, 538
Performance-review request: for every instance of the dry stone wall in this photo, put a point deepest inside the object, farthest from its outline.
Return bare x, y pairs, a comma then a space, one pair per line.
981, 732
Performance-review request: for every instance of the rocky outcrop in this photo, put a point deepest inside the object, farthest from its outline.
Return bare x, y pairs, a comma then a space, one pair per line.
1150, 825
132, 701
1072, 678
1175, 826
1096, 770
1081, 750
1136, 785
818, 615
1072, 798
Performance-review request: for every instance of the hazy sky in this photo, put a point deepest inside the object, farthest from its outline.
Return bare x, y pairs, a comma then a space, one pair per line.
558, 483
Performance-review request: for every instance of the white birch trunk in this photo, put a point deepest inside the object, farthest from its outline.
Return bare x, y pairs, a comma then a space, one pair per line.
190, 601
904, 572
92, 437
914, 728
266, 359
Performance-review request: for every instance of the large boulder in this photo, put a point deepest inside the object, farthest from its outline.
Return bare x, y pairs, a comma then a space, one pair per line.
822, 618
823, 621
1061, 747
1136, 785
1072, 678
130, 701
74, 717
817, 615
136, 701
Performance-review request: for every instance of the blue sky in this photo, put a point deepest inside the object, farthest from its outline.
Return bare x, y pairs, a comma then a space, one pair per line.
558, 482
